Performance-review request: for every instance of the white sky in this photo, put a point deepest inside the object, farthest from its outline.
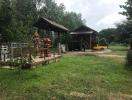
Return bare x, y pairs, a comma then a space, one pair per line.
99, 14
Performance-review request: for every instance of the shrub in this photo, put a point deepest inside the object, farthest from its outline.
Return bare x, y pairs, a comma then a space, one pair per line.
2, 63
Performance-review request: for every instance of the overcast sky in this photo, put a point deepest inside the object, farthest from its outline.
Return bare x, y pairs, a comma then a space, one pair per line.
99, 14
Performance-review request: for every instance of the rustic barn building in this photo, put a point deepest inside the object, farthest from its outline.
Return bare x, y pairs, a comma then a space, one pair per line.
82, 37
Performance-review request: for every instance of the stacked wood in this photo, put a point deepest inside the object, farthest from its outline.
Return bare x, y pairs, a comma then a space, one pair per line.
37, 42
42, 45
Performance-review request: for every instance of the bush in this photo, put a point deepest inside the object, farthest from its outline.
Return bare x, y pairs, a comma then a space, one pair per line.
129, 60
2, 63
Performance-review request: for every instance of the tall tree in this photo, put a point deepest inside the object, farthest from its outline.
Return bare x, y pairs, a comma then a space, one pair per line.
73, 20
5, 20
58, 14
127, 9
24, 17
125, 30
110, 34
18, 16
126, 27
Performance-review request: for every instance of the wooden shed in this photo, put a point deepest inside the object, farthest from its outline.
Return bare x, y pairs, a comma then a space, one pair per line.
82, 37
46, 24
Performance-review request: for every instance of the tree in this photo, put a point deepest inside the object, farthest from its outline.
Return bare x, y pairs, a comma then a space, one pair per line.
5, 20
72, 20
127, 9
126, 27
110, 34
25, 15
18, 16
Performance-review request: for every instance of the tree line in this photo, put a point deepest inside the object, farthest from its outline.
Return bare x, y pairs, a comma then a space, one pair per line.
123, 32
18, 16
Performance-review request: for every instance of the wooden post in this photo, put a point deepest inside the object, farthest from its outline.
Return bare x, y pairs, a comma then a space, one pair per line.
59, 45
4, 57
12, 51
90, 42
67, 49
30, 55
80, 44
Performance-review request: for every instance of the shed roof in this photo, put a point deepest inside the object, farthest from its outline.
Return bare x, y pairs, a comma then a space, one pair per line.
84, 30
44, 23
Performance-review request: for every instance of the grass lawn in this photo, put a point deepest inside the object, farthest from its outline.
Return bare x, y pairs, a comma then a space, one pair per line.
119, 50
72, 78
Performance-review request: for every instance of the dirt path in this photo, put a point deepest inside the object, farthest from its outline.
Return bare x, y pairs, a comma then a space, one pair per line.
104, 53
109, 96
111, 56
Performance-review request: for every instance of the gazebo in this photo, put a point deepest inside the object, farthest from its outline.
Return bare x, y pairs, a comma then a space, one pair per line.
82, 36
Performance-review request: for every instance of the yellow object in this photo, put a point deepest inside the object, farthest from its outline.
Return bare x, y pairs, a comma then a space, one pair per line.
99, 47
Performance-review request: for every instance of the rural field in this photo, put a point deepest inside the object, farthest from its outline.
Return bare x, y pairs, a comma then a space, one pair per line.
72, 78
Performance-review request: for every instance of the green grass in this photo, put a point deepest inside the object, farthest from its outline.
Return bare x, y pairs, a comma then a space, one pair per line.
119, 50
72, 78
